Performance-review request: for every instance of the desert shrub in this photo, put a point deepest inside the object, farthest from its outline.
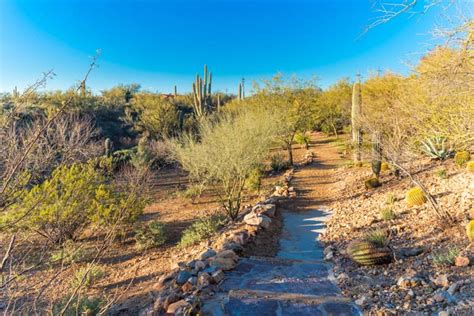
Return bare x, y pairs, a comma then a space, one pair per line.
193, 191
121, 158
70, 252
387, 214
278, 163
75, 196
226, 153
254, 180
377, 236
445, 256
89, 306
462, 157
150, 235
441, 173
86, 276
390, 199
303, 139
203, 228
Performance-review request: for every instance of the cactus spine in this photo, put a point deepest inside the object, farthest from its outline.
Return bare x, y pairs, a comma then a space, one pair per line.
415, 197
376, 154
202, 93
108, 147
367, 253
355, 118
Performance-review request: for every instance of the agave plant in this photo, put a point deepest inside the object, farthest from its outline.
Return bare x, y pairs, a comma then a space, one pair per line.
436, 148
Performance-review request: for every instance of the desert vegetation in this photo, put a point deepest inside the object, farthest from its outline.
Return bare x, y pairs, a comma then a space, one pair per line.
82, 173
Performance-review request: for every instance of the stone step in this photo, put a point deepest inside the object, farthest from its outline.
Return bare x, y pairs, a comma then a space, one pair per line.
263, 303
280, 276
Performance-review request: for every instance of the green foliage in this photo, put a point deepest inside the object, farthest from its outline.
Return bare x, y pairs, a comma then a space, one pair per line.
378, 237
462, 157
62, 206
441, 173
200, 230
121, 158
390, 199
445, 256
303, 139
415, 197
151, 235
369, 253
70, 252
435, 147
84, 306
372, 183
387, 214
87, 276
254, 180
193, 191
278, 163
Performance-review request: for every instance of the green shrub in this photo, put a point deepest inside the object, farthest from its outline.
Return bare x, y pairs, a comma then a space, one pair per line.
193, 191
387, 214
279, 163
150, 235
89, 306
303, 139
70, 252
203, 228
390, 199
75, 196
378, 237
121, 158
441, 173
86, 276
446, 256
254, 180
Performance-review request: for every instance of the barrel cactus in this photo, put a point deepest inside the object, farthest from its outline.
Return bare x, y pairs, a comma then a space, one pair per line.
461, 158
470, 230
367, 253
384, 167
470, 166
415, 197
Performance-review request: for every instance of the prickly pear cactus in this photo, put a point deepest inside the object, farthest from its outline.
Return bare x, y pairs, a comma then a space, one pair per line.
415, 197
470, 230
367, 253
461, 158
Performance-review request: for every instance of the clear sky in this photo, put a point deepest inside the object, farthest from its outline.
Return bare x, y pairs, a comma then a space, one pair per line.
165, 42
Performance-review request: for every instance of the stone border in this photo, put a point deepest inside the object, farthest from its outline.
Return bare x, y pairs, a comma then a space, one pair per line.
181, 290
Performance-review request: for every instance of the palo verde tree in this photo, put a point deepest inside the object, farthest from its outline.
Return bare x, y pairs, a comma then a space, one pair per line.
227, 151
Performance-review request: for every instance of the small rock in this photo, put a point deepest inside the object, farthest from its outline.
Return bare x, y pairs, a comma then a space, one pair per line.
443, 313
410, 252
165, 278
187, 287
329, 256
461, 261
230, 245
193, 280
208, 254
254, 219
182, 277
200, 265
228, 254
454, 287
204, 279
241, 238
178, 307
343, 276
361, 301
265, 209
223, 263
218, 276
441, 280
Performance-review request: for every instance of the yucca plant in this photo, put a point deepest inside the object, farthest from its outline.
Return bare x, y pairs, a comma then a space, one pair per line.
435, 147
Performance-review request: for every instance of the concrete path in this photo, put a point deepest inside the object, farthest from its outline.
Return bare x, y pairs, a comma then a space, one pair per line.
296, 282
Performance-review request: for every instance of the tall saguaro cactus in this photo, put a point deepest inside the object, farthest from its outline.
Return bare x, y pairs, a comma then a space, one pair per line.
355, 120
202, 93
241, 94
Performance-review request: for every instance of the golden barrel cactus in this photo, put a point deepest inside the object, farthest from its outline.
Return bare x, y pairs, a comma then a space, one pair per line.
415, 197
367, 253
470, 166
462, 157
470, 230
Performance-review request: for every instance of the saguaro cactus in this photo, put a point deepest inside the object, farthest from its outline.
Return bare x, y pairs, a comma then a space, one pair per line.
108, 147
202, 93
355, 118
175, 91
241, 93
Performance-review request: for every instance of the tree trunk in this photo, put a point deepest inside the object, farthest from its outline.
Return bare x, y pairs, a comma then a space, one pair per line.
290, 154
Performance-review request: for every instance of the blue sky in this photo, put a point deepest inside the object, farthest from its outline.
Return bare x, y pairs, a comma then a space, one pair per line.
162, 43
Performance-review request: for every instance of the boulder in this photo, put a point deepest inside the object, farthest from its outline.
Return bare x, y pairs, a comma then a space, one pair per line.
207, 254
218, 276
265, 209
227, 254
254, 219
182, 277
222, 263
240, 238
204, 279
200, 265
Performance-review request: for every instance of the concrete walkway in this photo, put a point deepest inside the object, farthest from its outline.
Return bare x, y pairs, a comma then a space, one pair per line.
296, 282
